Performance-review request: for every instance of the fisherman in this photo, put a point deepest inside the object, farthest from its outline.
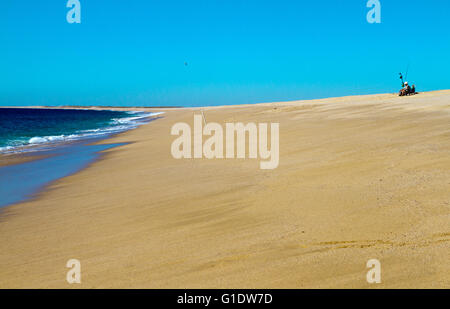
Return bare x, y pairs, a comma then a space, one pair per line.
407, 88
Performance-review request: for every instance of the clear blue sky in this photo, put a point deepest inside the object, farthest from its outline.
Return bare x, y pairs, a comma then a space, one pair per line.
134, 52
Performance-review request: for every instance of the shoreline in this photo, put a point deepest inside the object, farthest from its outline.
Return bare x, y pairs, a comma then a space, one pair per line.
29, 157
67, 139
359, 178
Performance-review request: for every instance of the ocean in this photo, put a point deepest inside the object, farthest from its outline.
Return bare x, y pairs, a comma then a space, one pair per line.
25, 129
65, 140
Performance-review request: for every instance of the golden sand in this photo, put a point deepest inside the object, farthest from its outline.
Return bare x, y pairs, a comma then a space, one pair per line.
359, 178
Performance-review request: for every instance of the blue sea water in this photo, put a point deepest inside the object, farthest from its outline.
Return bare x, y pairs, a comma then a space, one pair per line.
20, 182
24, 129
64, 139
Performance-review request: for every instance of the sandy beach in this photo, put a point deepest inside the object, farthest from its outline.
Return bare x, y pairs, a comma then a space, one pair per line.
359, 178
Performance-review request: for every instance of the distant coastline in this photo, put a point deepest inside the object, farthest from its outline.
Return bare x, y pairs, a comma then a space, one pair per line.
174, 107
96, 107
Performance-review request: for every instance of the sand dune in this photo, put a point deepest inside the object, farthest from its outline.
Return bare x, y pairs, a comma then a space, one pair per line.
359, 178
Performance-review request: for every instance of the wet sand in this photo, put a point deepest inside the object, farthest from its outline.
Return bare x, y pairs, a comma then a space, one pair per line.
11, 159
359, 178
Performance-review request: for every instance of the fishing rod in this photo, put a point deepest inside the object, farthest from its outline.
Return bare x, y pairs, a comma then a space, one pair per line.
407, 70
406, 76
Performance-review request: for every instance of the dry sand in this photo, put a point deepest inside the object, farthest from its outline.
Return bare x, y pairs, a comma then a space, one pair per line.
359, 178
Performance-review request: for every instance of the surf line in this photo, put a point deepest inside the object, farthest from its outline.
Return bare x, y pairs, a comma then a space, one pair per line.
235, 134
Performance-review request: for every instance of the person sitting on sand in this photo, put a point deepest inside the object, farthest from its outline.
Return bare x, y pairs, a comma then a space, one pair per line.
407, 88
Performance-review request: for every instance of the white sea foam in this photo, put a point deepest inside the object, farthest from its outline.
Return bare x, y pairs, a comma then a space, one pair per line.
5, 149
45, 139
